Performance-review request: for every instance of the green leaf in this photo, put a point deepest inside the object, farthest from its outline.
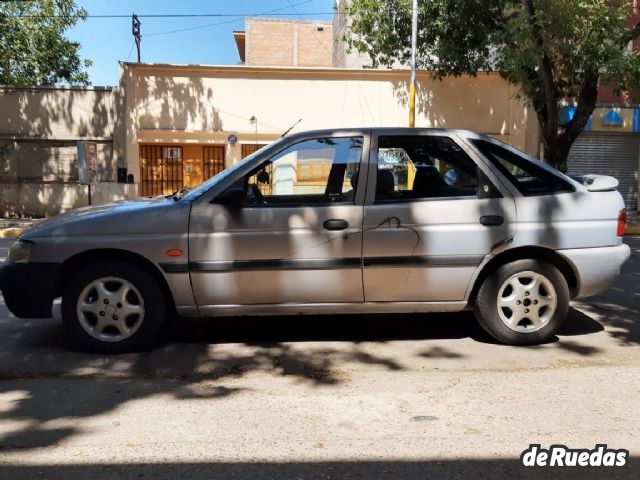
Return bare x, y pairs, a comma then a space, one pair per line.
33, 47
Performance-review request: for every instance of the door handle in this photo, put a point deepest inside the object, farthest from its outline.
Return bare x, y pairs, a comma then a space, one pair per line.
492, 220
335, 224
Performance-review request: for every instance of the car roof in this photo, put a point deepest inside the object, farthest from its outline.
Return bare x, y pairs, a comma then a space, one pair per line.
387, 131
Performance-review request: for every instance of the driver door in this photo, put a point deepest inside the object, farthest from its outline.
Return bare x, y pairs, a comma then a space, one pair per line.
292, 236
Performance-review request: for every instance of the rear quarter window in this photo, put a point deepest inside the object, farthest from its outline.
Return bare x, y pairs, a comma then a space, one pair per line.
529, 178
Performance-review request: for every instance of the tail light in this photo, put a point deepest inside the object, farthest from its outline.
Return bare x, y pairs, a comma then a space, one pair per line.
622, 222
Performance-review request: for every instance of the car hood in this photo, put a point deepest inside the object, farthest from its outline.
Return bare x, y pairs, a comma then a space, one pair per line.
149, 215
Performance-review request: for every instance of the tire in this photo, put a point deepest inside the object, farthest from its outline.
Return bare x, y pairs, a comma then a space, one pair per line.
123, 308
524, 323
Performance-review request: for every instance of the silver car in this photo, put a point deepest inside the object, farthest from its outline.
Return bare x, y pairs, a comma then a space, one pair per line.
335, 221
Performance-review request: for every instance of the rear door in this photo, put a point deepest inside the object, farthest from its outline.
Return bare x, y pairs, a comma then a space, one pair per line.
433, 212
296, 237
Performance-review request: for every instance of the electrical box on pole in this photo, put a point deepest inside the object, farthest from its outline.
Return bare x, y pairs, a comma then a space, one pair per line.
87, 164
135, 30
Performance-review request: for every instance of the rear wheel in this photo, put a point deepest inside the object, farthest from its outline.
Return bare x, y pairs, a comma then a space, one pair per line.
523, 302
112, 307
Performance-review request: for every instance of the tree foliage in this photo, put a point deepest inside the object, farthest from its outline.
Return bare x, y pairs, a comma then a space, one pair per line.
33, 48
552, 49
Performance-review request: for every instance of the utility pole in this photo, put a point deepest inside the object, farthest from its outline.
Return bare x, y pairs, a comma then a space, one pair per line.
412, 83
135, 30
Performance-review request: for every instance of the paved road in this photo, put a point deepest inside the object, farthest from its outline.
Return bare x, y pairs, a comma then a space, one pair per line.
394, 396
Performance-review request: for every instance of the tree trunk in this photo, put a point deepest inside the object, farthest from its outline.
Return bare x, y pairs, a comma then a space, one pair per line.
558, 140
556, 151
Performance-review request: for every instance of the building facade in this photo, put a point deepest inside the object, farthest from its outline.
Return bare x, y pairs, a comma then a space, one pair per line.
182, 124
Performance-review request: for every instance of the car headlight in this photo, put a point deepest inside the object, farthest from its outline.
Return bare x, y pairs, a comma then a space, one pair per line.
20, 251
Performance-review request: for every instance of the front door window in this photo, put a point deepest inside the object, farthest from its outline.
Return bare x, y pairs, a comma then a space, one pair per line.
313, 172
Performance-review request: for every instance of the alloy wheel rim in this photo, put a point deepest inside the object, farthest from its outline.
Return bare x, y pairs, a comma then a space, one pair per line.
110, 309
526, 302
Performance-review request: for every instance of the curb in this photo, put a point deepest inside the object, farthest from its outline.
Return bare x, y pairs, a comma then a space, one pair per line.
10, 232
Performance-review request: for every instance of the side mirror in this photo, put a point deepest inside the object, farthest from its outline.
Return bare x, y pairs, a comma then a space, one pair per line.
232, 197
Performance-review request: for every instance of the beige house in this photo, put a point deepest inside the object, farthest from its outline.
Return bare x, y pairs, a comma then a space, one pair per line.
183, 124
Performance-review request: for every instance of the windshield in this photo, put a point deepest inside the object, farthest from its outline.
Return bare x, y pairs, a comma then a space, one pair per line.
205, 186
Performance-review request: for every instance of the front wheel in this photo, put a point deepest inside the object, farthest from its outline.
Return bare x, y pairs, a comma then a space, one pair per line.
523, 302
112, 307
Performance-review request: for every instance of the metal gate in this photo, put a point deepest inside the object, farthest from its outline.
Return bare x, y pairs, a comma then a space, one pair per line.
249, 148
160, 170
213, 161
615, 154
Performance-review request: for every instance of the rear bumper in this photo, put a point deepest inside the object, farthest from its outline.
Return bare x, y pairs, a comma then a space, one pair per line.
597, 268
29, 289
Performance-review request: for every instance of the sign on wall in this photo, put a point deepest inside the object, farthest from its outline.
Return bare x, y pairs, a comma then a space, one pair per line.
87, 162
606, 119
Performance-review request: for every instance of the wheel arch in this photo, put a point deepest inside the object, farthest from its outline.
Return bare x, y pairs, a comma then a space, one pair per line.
73, 263
529, 252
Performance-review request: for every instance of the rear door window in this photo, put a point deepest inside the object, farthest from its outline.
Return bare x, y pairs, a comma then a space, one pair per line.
423, 167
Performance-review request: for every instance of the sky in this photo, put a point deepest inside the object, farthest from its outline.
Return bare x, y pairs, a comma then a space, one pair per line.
105, 41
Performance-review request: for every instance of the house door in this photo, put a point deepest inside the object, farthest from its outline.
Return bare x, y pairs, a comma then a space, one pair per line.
161, 170
212, 161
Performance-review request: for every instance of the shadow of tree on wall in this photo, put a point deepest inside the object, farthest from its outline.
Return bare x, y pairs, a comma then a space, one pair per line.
167, 102
456, 103
43, 125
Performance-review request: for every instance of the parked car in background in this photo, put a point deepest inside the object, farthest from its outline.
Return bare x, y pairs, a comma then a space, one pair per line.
335, 221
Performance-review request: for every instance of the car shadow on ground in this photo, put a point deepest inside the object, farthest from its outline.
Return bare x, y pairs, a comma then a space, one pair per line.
47, 336
266, 330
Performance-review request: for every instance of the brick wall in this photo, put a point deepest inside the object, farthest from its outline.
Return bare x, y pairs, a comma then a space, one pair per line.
272, 42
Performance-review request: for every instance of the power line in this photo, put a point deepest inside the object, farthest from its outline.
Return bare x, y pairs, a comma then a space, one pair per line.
198, 27
233, 20
179, 15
